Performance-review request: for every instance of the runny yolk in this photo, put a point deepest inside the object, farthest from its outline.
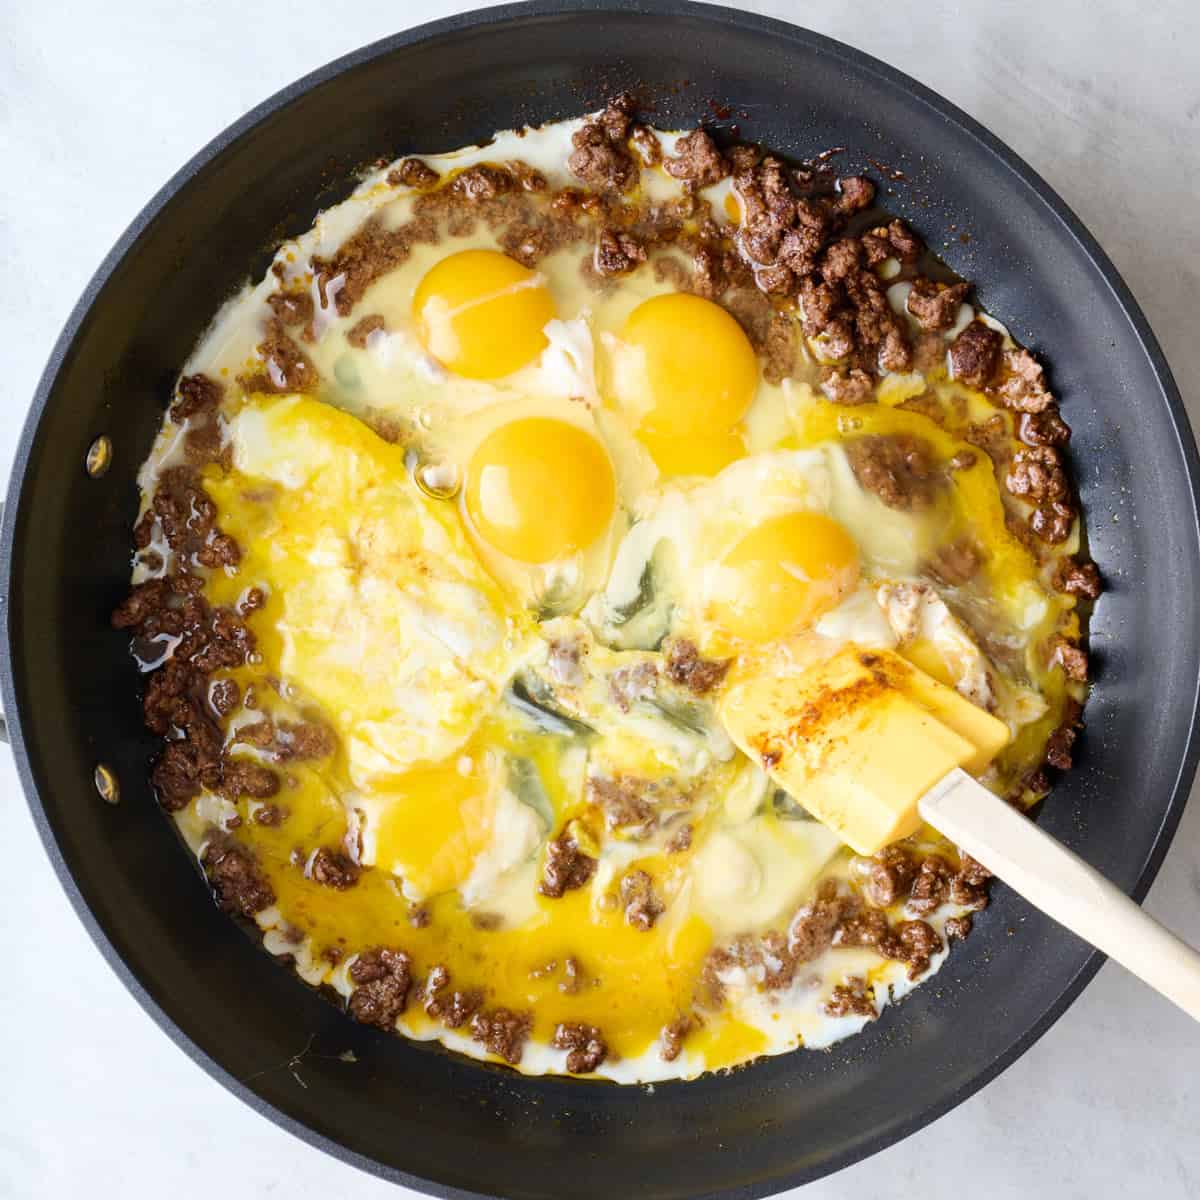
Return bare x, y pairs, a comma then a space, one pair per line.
699, 372
539, 488
434, 824
480, 314
693, 455
783, 575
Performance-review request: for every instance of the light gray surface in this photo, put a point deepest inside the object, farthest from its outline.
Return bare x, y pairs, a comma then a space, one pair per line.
99, 104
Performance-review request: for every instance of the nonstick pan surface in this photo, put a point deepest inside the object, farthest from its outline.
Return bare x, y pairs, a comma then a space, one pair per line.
414, 1113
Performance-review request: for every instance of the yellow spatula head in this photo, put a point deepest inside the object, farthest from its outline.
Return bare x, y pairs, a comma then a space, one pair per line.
858, 737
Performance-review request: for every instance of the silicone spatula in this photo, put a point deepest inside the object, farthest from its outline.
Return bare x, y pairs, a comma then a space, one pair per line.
872, 747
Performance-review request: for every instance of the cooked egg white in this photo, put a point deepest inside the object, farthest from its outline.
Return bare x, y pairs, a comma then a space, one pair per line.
499, 505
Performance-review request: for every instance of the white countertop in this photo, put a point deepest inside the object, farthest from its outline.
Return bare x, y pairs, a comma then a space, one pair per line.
1103, 100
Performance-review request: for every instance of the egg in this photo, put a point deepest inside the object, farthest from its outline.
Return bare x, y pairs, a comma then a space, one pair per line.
481, 314
359, 558
517, 530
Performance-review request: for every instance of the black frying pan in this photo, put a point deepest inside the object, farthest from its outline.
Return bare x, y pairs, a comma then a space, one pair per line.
416, 1114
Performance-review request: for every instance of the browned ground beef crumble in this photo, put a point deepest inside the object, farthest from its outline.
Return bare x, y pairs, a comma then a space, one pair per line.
383, 979
586, 1048
642, 906
803, 244
853, 998
566, 867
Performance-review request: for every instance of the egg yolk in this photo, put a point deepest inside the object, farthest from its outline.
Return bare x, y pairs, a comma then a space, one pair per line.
784, 575
700, 371
480, 314
539, 488
693, 455
435, 823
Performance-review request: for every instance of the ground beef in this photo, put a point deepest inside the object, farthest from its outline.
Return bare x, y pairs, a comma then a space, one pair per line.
1045, 428
414, 173
237, 880
991, 436
1053, 522
361, 330
304, 741
854, 998
600, 156
333, 869
502, 1032
1061, 744
1072, 659
286, 368
617, 252
369, 253
1037, 474
889, 876
526, 178
914, 943
178, 699
383, 979
241, 778
1023, 386
854, 193
585, 1046
911, 942
196, 395
1077, 578
956, 562
779, 349
630, 803
452, 1008
847, 387
482, 182
972, 871
685, 667
958, 928
271, 815
968, 887
894, 240
929, 352
680, 841
292, 308
566, 867
530, 238
642, 906
187, 518
572, 979
672, 1036
698, 162
935, 305
224, 696
975, 355
259, 733
811, 931
898, 468
931, 886
747, 305
626, 685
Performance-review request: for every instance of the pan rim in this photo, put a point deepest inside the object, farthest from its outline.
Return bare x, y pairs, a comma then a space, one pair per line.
720, 18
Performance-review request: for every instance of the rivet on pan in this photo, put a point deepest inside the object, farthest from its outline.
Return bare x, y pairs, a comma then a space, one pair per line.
99, 456
106, 784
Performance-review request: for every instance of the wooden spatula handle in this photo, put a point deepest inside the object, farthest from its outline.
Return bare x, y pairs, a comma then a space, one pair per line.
1063, 886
